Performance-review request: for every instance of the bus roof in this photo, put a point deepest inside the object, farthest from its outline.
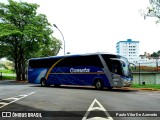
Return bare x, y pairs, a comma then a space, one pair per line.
73, 55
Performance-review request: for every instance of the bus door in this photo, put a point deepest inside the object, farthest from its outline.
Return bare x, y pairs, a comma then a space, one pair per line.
117, 72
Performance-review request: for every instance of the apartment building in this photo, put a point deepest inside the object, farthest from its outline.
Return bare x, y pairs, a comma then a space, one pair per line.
128, 49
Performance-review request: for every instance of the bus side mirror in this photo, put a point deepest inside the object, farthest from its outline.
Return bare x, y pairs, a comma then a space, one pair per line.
133, 65
124, 65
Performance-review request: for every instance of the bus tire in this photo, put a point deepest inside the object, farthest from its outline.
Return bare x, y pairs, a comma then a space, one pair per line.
99, 84
43, 83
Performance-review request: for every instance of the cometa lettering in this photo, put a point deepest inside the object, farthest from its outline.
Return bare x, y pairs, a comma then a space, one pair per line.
85, 70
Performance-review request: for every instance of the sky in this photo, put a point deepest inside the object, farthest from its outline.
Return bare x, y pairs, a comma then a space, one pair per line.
97, 25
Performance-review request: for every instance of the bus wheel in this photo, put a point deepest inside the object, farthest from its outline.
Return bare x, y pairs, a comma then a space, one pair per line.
99, 84
43, 82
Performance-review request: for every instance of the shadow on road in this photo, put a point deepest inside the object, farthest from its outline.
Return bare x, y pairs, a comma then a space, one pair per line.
86, 88
9, 82
12, 82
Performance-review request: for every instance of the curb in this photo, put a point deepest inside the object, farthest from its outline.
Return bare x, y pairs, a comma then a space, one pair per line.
150, 89
142, 89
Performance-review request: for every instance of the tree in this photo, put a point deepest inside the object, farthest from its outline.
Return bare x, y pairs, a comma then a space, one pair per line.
52, 49
154, 55
25, 34
153, 10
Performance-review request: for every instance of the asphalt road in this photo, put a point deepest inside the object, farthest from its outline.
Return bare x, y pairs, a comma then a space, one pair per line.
25, 101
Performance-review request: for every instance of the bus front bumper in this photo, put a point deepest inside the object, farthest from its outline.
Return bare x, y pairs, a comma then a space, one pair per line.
127, 83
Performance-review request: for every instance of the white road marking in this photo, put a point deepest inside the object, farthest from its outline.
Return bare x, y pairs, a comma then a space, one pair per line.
3, 103
97, 118
13, 99
100, 108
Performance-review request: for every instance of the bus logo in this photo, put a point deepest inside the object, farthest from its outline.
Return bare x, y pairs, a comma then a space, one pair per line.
85, 70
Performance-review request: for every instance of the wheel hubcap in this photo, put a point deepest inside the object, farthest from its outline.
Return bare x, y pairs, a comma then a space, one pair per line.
98, 85
43, 82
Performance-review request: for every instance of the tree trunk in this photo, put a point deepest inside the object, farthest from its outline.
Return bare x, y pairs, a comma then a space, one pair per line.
24, 70
18, 75
19, 71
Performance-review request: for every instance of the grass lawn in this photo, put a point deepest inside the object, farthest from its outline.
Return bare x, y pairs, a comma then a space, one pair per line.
152, 86
5, 77
8, 78
7, 71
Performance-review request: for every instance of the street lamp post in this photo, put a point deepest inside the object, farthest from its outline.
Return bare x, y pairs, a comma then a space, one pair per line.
62, 36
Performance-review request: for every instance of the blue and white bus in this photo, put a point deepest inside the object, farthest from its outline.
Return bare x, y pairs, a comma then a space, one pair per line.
97, 69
